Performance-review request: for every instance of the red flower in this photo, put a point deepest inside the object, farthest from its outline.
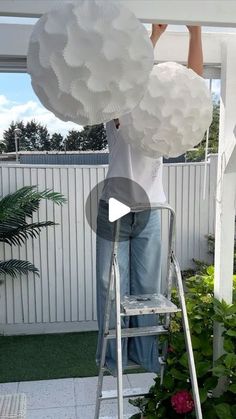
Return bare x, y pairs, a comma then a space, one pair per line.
182, 402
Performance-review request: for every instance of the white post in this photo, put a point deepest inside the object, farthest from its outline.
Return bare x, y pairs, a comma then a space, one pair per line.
226, 187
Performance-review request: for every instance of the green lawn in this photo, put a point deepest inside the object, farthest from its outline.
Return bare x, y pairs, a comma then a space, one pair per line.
43, 357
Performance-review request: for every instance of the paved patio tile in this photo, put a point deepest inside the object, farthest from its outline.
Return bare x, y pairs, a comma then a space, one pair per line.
143, 380
108, 410
74, 398
48, 393
8, 388
85, 388
54, 413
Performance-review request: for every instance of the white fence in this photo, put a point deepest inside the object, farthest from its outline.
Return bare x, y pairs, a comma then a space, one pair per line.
64, 297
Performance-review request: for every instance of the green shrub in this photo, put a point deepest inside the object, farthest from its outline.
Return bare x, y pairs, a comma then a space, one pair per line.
202, 309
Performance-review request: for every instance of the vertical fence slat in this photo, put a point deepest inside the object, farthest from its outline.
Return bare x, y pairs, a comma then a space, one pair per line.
15, 254
185, 215
3, 317
26, 280
204, 212
191, 233
59, 309
80, 243
43, 249
51, 251
94, 209
88, 250
36, 258
66, 245
21, 309
73, 243
178, 209
30, 257
7, 256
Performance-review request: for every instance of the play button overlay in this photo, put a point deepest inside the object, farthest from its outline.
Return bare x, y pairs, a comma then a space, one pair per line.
117, 209
116, 198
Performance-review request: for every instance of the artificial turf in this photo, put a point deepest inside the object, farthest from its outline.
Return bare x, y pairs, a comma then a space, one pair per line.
48, 356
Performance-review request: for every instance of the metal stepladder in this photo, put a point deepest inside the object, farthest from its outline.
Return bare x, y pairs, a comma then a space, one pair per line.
139, 305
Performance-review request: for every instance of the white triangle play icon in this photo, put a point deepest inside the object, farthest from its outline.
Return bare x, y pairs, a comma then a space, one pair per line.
117, 209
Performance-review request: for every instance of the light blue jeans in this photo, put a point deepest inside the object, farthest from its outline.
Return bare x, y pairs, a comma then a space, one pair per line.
139, 259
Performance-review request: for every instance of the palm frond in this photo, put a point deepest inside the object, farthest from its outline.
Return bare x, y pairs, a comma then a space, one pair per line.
25, 201
16, 232
15, 267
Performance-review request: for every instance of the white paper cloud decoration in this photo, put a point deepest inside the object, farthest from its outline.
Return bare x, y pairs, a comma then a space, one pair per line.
90, 61
173, 115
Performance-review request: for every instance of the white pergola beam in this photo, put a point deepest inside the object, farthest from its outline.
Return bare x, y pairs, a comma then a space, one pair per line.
173, 46
201, 12
27, 8
16, 39
204, 12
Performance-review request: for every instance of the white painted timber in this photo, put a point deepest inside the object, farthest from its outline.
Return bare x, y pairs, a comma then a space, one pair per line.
205, 12
201, 12
172, 46
16, 39
64, 297
228, 102
27, 8
226, 187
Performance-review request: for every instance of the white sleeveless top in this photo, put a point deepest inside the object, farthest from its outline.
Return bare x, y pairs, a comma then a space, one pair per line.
127, 162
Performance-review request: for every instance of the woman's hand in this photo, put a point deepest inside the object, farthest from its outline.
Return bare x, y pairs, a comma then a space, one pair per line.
194, 30
158, 28
157, 31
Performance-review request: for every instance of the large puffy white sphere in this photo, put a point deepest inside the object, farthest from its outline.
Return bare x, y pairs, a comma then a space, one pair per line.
90, 61
173, 115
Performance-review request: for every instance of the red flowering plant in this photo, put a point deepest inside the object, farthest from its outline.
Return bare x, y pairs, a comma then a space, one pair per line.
173, 399
182, 402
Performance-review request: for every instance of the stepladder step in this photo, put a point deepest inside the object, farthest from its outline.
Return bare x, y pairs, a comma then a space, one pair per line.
134, 305
138, 331
127, 392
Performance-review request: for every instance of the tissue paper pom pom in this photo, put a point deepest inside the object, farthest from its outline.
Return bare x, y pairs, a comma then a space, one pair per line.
173, 115
90, 61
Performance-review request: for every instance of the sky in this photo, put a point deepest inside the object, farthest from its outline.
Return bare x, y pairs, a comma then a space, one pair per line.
18, 101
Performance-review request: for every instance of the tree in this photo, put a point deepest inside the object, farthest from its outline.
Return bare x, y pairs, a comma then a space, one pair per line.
199, 153
34, 136
56, 142
73, 140
45, 144
9, 137
2, 147
94, 137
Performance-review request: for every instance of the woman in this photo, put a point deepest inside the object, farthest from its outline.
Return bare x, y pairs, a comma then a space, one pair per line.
139, 251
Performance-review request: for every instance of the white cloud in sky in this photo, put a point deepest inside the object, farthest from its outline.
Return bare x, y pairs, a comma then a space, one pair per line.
3, 101
13, 111
32, 109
